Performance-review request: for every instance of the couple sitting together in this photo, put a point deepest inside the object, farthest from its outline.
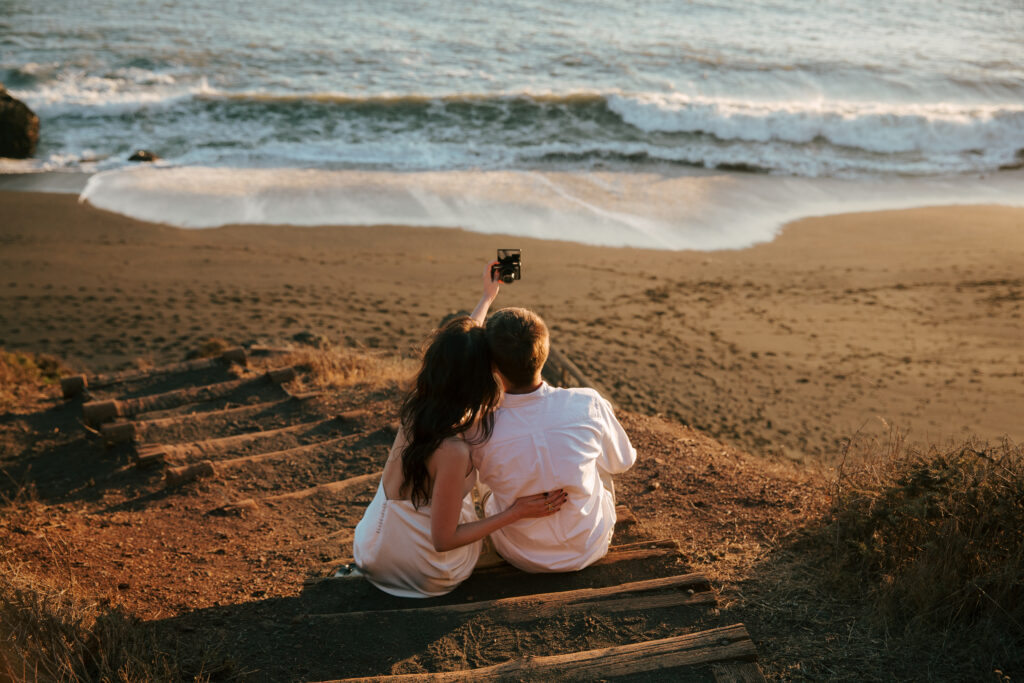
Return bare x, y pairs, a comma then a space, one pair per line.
480, 416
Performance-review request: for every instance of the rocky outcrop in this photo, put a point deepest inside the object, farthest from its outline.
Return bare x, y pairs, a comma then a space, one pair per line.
19, 128
143, 155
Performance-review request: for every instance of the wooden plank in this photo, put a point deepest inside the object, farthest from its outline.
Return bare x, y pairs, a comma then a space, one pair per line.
176, 476
250, 505
694, 649
686, 589
627, 552
208, 447
334, 487
97, 412
737, 672
136, 430
73, 386
76, 384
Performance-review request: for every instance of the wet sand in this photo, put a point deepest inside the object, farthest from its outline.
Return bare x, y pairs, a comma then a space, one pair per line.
854, 322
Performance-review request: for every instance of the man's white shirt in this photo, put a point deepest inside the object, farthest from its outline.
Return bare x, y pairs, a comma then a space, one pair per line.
549, 439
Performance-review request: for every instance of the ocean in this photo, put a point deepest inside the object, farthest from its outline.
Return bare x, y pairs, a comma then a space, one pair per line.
678, 124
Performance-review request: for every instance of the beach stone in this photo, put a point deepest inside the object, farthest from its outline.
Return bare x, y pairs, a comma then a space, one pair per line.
19, 127
143, 155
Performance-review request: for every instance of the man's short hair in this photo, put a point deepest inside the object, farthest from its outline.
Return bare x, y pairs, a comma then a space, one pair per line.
518, 339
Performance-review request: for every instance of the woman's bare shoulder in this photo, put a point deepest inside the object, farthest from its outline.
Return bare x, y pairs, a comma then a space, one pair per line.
454, 446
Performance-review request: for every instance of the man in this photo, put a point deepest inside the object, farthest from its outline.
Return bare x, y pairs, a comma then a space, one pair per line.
548, 438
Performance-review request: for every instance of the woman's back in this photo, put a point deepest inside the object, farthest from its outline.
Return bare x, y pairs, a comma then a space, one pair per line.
393, 544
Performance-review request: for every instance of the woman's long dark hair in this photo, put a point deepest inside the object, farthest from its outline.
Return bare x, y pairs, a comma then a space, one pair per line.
455, 391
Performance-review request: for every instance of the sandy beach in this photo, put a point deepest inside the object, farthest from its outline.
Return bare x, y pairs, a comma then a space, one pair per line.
910, 319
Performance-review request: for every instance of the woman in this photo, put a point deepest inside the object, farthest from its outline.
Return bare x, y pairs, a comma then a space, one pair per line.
420, 537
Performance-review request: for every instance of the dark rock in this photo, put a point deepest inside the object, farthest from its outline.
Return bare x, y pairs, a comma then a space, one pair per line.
313, 339
143, 155
19, 128
1018, 161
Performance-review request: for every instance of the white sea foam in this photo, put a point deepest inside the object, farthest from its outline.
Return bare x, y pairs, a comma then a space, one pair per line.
872, 126
701, 211
77, 92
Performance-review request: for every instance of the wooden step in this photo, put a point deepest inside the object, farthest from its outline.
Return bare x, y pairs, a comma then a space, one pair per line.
138, 430
503, 571
98, 412
671, 591
224, 444
627, 552
625, 525
725, 644
250, 505
76, 384
176, 476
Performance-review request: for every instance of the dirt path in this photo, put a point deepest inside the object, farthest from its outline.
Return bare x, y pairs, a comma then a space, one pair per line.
246, 581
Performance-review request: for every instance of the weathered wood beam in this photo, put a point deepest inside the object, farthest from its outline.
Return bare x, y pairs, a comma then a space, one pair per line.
176, 476
694, 649
136, 430
98, 412
685, 589
334, 487
218, 446
76, 384
627, 552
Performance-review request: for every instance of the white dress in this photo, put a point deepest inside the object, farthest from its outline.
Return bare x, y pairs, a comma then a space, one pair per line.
393, 547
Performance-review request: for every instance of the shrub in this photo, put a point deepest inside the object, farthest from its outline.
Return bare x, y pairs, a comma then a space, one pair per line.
934, 539
26, 375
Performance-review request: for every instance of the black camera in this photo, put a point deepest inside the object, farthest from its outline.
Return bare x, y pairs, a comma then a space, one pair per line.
509, 266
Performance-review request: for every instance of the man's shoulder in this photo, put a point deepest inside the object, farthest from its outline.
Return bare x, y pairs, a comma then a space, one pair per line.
576, 399
575, 393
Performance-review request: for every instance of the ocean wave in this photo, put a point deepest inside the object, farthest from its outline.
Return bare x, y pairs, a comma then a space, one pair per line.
871, 126
54, 91
425, 131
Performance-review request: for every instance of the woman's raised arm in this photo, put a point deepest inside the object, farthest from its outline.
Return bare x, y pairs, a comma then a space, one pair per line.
491, 287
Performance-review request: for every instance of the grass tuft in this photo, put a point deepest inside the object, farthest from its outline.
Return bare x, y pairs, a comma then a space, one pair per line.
933, 539
209, 347
49, 633
338, 368
26, 376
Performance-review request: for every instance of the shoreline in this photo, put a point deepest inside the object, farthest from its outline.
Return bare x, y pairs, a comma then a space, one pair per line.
654, 207
843, 323
54, 182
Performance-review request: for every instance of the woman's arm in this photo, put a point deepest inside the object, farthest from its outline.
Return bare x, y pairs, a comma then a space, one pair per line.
450, 463
491, 287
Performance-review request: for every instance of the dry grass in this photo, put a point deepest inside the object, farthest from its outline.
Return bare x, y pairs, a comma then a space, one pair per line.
913, 571
338, 368
936, 536
211, 346
931, 541
27, 376
48, 632
52, 630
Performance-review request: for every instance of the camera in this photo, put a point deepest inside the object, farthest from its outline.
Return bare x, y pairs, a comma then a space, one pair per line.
509, 266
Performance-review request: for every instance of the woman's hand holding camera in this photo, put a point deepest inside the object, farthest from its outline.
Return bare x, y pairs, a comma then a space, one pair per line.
491, 283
